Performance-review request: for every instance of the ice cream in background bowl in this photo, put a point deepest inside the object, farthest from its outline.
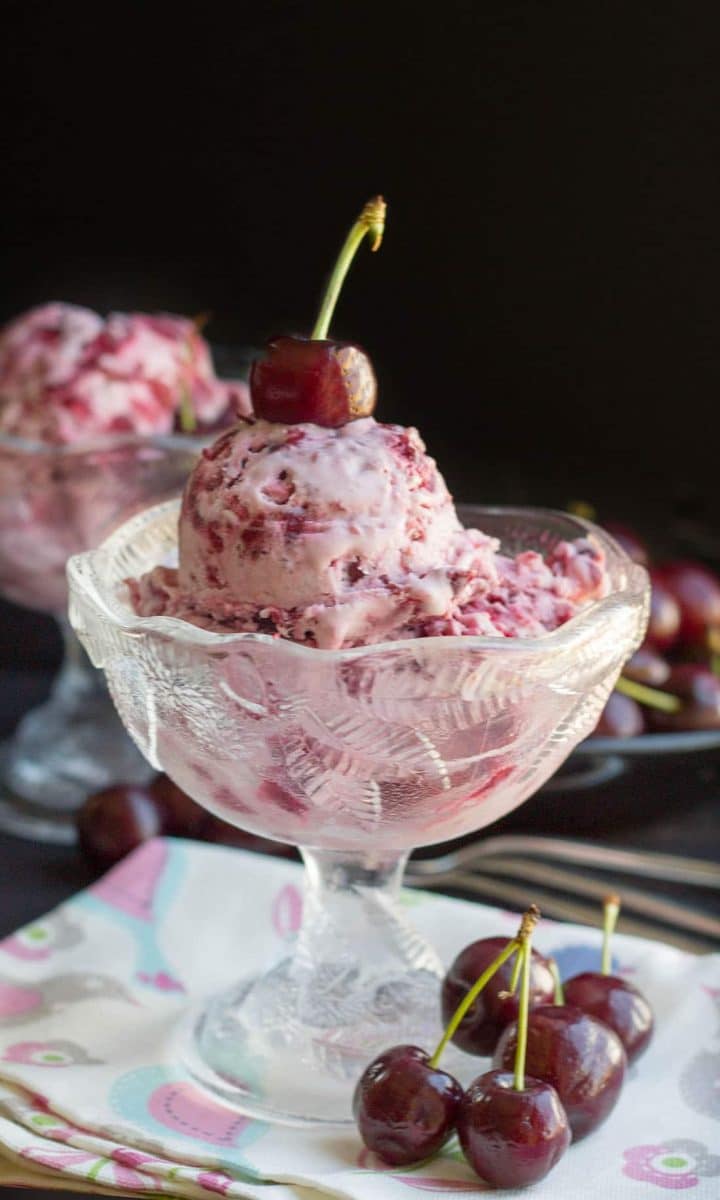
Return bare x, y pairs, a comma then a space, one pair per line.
68, 376
98, 418
320, 648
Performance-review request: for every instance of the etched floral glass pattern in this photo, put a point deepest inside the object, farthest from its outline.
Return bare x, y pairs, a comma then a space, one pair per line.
356, 756
54, 502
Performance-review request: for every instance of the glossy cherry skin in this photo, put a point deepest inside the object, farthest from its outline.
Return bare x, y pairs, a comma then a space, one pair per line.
582, 1058
631, 542
697, 592
405, 1109
699, 689
618, 1004
323, 382
512, 1138
622, 717
117, 820
491, 1011
664, 618
647, 666
182, 817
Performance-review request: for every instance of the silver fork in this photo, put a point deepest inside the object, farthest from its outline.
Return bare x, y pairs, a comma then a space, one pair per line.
670, 868
501, 868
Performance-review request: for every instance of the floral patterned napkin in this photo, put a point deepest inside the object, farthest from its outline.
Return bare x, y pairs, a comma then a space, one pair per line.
92, 1096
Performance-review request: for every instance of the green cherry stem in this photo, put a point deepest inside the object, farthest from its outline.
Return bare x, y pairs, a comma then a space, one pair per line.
371, 221
559, 996
201, 319
653, 697
467, 1000
530, 919
523, 1013
186, 412
517, 965
611, 912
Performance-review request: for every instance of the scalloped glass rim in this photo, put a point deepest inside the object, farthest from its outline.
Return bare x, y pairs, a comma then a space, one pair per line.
163, 441
85, 577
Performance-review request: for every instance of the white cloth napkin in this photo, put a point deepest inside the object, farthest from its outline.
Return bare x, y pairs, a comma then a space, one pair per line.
93, 1098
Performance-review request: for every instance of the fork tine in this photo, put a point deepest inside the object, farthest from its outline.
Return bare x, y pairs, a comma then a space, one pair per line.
558, 907
670, 868
657, 908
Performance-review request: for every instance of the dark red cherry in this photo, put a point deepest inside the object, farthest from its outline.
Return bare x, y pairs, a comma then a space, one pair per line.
182, 816
697, 592
117, 820
699, 689
664, 618
316, 379
622, 717
618, 1004
320, 381
494, 1008
629, 540
582, 1058
405, 1109
647, 666
512, 1138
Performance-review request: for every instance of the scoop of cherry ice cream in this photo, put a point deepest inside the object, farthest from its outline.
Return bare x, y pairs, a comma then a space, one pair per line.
348, 536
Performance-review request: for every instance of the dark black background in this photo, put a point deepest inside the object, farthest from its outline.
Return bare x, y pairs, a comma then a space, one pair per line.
546, 306
546, 303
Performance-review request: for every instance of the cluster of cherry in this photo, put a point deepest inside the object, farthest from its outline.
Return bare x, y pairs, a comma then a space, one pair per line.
672, 683
560, 1053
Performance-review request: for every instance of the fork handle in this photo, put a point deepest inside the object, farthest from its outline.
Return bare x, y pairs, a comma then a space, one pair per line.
504, 891
670, 868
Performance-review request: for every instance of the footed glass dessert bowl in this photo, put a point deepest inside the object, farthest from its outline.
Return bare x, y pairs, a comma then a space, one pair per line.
357, 756
54, 502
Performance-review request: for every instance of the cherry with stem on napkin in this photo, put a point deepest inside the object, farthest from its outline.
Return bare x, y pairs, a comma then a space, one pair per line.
610, 998
513, 1128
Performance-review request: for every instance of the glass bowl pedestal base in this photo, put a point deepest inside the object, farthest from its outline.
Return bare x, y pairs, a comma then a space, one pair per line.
290, 1045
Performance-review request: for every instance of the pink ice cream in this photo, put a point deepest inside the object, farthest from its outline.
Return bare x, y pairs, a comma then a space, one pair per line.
91, 400
348, 536
68, 376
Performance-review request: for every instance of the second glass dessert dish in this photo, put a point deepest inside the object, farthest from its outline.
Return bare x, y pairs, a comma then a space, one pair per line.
98, 419
54, 502
356, 755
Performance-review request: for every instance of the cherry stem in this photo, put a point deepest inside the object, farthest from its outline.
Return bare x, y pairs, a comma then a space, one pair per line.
467, 1000
654, 698
611, 912
515, 974
201, 319
528, 922
186, 412
523, 1013
371, 221
581, 508
559, 994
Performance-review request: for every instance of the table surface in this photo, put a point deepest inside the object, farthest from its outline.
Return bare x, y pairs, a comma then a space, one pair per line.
669, 804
